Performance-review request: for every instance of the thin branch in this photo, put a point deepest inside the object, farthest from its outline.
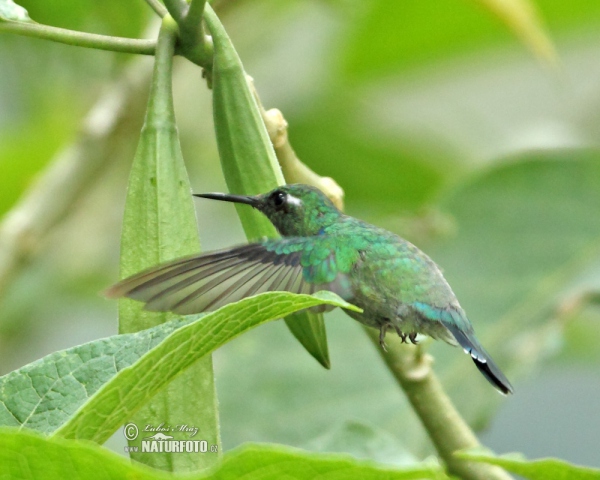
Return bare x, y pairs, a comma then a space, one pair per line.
446, 428
195, 12
72, 172
158, 7
194, 44
177, 9
80, 39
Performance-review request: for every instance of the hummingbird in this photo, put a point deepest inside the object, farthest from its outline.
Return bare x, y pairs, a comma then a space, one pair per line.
397, 286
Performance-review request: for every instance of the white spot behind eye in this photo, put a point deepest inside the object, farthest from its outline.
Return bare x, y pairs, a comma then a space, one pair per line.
294, 200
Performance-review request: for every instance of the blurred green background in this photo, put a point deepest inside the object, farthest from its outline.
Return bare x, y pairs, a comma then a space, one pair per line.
438, 124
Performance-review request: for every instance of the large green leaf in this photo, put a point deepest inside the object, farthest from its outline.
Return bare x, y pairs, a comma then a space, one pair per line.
87, 392
277, 461
44, 394
27, 455
543, 469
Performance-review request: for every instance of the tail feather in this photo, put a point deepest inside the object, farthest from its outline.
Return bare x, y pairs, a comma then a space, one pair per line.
481, 358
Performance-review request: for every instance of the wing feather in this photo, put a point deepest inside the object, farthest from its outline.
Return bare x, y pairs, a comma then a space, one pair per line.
205, 282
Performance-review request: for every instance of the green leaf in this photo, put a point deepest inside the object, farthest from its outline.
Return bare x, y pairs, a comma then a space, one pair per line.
12, 12
88, 391
249, 163
309, 330
363, 441
44, 394
263, 461
390, 37
547, 468
159, 224
26, 455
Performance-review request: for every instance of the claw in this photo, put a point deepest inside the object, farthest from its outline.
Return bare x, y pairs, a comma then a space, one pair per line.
413, 337
382, 331
400, 333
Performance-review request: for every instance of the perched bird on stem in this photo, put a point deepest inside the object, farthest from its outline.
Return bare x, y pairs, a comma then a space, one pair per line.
398, 286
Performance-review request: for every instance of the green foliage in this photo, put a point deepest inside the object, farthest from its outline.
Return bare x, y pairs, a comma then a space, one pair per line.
518, 243
535, 469
43, 395
26, 455
511, 288
88, 391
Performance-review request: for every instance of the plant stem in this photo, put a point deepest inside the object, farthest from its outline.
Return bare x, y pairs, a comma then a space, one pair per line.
80, 39
446, 428
194, 44
195, 12
158, 7
177, 9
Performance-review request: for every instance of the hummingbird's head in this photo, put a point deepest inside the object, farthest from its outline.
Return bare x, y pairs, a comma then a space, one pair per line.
294, 210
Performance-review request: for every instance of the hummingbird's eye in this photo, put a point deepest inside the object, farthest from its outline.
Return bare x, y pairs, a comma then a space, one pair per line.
278, 198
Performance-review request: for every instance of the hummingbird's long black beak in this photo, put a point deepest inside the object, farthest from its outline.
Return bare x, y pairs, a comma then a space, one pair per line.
226, 197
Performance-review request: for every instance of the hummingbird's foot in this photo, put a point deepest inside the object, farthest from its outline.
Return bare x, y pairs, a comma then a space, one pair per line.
400, 333
382, 331
413, 338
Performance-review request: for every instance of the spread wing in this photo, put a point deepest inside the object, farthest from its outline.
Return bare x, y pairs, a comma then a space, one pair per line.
206, 282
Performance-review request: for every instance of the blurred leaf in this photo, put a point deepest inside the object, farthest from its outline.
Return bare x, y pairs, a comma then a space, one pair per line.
389, 36
544, 469
386, 37
523, 19
10, 11
582, 335
22, 159
249, 163
526, 232
574, 16
375, 175
364, 441
111, 17
26, 455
